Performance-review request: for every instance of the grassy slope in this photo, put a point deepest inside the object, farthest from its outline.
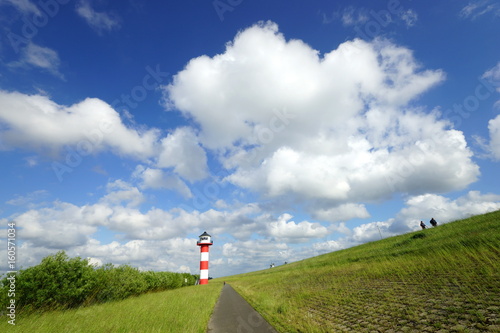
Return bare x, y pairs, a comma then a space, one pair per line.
441, 279
186, 309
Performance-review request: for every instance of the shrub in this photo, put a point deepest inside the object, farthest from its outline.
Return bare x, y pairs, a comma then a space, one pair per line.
63, 282
57, 282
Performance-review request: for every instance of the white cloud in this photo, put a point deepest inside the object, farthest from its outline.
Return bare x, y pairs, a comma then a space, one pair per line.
475, 9
418, 208
99, 21
182, 151
24, 6
494, 129
424, 207
492, 147
360, 16
95, 262
291, 232
28, 199
254, 254
174, 255
157, 179
34, 122
409, 17
37, 56
61, 227
328, 246
120, 192
31, 161
343, 212
351, 16
42, 57
349, 134
493, 76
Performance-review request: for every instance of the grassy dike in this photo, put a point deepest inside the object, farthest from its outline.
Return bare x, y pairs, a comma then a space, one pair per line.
187, 309
444, 279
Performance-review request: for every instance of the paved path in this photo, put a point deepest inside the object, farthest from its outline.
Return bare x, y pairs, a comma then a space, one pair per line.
232, 314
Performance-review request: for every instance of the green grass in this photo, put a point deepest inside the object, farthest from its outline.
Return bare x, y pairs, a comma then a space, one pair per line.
186, 309
445, 278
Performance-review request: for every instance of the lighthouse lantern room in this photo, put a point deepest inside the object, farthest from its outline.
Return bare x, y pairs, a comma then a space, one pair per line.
204, 242
205, 239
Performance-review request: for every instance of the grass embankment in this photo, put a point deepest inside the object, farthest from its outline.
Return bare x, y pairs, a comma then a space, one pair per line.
444, 279
186, 309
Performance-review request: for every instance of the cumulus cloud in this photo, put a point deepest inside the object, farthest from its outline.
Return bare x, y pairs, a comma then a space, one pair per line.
494, 129
417, 208
492, 147
35, 122
174, 255
247, 256
120, 192
152, 178
166, 255
182, 151
347, 132
99, 21
443, 209
62, 226
290, 232
343, 212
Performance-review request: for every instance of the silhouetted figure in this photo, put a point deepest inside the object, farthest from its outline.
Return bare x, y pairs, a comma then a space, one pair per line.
433, 222
422, 224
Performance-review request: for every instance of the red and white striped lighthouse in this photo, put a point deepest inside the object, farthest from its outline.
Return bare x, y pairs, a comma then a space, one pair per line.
204, 243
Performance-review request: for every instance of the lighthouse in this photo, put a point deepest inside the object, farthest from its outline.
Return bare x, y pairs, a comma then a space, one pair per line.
204, 243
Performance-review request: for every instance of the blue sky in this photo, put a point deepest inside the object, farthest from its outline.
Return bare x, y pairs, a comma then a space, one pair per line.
285, 129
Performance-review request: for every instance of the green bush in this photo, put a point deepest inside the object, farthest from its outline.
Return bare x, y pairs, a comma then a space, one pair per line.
57, 282
114, 283
63, 282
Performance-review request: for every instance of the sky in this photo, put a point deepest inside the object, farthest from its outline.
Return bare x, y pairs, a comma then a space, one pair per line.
285, 129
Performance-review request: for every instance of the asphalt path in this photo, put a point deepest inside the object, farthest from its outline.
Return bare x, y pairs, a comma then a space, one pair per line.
232, 314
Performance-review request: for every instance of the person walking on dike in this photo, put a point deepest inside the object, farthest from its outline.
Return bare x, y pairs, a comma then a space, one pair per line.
433, 222
422, 224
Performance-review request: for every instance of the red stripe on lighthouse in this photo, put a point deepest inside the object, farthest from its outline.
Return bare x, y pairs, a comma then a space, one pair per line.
204, 244
204, 256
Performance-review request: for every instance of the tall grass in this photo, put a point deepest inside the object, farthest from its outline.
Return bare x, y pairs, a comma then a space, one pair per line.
441, 278
181, 310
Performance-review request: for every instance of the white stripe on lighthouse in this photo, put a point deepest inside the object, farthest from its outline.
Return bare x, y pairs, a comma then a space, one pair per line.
204, 274
204, 256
